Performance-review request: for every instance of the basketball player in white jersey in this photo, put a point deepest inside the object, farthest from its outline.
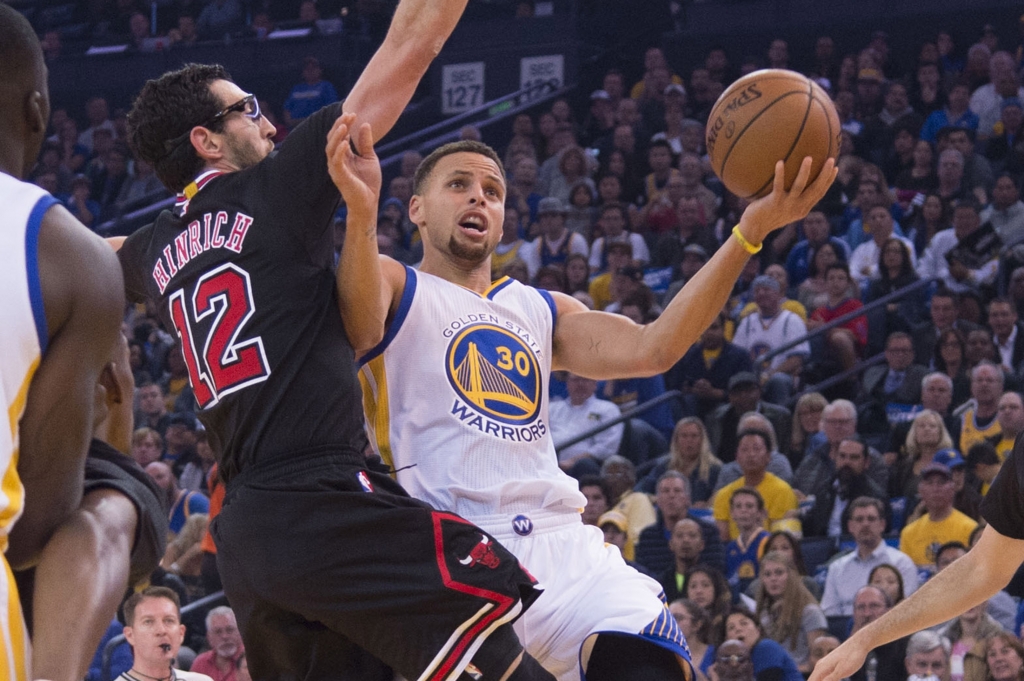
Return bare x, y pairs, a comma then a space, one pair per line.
61, 300
454, 371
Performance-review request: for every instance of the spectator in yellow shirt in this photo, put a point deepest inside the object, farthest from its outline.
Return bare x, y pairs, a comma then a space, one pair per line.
941, 523
753, 452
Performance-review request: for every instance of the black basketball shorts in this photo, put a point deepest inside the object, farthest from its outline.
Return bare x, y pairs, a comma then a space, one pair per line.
319, 554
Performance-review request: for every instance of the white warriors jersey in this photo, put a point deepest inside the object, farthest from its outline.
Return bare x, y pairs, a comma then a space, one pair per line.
456, 400
22, 327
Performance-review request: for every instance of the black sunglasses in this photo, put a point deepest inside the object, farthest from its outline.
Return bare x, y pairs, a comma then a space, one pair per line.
248, 105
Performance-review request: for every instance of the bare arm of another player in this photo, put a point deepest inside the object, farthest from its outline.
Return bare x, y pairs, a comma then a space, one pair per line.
418, 31
85, 566
968, 581
83, 297
602, 346
369, 284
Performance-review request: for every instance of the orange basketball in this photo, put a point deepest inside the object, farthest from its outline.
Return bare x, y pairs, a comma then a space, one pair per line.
768, 116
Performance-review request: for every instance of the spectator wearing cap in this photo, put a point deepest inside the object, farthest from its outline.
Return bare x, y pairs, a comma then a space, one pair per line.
778, 273
600, 120
965, 256
869, 93
691, 228
744, 397
619, 254
615, 527
612, 221
555, 242
816, 233
956, 113
769, 328
309, 96
941, 523
694, 258
704, 373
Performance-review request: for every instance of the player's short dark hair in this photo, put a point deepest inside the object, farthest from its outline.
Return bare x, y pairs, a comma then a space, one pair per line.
128, 609
426, 166
750, 492
169, 107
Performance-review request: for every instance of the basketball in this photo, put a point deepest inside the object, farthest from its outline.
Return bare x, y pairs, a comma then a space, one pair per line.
768, 116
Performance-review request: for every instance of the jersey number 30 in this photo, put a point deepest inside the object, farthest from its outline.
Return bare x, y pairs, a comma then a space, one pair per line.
225, 364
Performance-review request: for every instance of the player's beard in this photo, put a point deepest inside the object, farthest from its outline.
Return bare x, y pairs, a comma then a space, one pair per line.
473, 255
243, 154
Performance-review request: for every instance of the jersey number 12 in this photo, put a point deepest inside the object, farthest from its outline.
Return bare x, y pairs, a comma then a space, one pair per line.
225, 363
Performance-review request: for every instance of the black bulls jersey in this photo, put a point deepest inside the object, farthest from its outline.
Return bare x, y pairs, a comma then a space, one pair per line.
245, 278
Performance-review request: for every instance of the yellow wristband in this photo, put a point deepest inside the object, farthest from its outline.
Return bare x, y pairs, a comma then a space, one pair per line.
747, 246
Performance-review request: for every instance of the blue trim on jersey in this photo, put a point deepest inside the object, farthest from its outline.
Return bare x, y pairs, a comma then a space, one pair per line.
396, 323
500, 287
35, 287
551, 303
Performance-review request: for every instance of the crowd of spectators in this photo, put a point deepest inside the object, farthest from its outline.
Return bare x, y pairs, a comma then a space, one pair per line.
779, 518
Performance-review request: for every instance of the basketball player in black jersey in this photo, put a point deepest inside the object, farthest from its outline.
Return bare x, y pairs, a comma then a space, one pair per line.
315, 551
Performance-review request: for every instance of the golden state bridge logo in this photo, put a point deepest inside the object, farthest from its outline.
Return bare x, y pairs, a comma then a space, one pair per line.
497, 381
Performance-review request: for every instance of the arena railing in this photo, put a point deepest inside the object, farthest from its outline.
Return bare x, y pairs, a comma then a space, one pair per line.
204, 603
839, 321
483, 116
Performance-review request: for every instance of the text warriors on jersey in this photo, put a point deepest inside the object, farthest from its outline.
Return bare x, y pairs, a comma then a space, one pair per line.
492, 365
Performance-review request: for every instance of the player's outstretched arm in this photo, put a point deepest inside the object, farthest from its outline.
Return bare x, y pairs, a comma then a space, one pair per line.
601, 346
368, 284
968, 581
418, 31
83, 298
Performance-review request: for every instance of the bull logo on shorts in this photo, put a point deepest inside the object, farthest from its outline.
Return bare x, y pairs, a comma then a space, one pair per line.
496, 373
482, 554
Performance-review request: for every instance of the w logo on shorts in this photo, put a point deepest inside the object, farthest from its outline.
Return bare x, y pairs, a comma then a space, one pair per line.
522, 525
